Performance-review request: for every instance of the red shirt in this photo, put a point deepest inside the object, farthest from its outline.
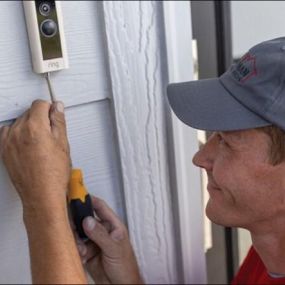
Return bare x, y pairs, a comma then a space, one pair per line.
253, 271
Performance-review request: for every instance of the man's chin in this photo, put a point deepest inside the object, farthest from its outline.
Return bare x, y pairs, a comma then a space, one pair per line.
218, 218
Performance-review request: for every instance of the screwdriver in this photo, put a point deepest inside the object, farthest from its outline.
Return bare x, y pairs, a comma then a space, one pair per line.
79, 200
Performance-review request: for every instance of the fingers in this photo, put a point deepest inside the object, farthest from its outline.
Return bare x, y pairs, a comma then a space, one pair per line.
35, 110
39, 112
51, 117
97, 271
58, 124
98, 234
5, 131
105, 235
105, 213
107, 226
20, 120
88, 250
82, 249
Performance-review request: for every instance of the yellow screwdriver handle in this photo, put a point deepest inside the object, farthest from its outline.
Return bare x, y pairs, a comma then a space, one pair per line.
79, 201
77, 189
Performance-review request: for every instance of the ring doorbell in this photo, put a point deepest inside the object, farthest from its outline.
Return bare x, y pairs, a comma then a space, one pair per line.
46, 35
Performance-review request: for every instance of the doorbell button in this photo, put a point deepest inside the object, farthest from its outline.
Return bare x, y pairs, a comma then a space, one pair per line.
48, 28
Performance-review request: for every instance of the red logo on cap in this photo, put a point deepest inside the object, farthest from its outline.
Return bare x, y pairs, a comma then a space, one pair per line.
245, 68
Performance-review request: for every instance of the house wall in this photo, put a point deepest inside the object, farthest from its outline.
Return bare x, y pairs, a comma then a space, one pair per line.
254, 22
116, 111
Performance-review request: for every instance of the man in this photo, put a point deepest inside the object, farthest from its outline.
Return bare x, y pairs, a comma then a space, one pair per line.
245, 156
244, 160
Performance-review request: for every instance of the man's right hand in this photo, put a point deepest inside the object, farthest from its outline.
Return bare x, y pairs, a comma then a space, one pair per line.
108, 254
35, 151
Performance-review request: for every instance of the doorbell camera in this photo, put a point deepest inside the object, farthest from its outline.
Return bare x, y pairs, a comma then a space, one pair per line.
46, 35
45, 8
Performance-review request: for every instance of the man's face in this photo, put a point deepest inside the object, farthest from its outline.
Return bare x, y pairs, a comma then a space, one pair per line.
245, 189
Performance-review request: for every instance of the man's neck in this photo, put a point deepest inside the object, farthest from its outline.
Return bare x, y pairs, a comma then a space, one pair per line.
271, 247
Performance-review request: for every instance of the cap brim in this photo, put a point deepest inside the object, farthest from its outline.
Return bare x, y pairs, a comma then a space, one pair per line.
207, 105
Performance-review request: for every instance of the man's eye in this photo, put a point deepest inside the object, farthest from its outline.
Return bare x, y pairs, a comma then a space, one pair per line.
221, 140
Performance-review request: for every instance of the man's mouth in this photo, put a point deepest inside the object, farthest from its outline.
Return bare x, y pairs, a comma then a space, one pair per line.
212, 186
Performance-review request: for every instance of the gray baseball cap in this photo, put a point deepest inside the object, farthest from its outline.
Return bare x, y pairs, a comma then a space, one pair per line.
250, 94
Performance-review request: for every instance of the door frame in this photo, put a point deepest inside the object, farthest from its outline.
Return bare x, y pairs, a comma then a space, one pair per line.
186, 177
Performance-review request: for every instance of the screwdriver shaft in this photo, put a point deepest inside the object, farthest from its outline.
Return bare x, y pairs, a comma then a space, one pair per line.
50, 88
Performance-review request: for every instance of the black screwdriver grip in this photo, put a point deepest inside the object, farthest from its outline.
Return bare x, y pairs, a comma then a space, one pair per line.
79, 212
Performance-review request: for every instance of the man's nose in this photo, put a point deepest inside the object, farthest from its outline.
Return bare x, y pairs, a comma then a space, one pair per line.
204, 158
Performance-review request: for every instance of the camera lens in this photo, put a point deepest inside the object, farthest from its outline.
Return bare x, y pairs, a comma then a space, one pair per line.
48, 28
45, 8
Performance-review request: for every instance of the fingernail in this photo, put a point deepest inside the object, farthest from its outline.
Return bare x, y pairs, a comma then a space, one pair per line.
90, 223
59, 107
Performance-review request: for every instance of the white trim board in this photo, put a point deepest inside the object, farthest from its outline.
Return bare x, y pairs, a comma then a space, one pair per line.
177, 16
135, 39
133, 32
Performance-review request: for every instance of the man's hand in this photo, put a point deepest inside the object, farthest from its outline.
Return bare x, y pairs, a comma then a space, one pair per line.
35, 152
108, 255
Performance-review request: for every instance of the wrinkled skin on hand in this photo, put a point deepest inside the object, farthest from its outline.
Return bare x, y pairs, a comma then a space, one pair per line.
35, 152
108, 255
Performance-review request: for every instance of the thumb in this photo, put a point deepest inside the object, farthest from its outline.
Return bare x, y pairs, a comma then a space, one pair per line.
98, 234
57, 119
